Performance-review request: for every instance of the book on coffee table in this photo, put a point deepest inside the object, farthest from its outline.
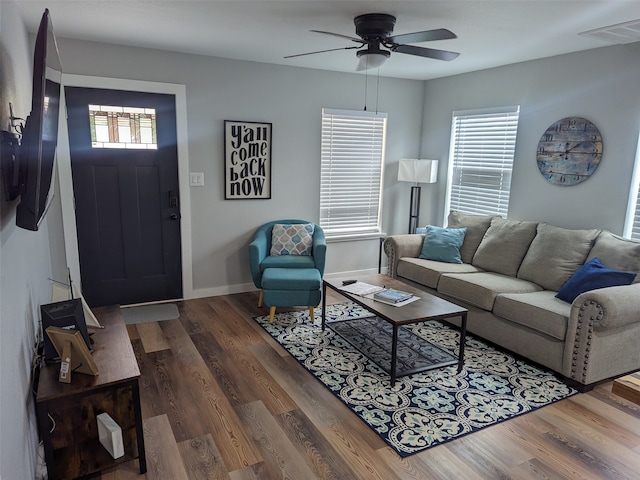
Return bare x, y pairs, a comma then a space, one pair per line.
391, 295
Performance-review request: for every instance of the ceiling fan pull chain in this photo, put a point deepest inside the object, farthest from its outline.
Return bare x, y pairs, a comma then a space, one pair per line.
377, 90
366, 78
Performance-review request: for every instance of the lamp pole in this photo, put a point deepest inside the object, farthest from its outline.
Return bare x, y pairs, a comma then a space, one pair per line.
414, 208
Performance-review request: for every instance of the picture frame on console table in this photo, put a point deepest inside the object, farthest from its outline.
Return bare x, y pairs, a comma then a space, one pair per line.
67, 314
73, 352
247, 160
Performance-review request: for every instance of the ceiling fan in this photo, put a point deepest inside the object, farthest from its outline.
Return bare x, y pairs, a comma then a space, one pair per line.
375, 31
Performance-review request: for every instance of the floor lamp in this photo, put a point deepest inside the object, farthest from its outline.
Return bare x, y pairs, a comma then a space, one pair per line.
416, 172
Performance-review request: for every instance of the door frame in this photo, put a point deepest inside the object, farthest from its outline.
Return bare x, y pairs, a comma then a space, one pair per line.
66, 183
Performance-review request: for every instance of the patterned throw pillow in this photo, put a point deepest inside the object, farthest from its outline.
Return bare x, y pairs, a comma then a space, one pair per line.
292, 239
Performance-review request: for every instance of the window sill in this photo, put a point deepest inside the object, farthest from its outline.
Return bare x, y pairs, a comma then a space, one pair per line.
354, 237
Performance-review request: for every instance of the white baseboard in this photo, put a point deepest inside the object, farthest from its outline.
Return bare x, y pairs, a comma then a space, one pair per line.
354, 273
250, 287
224, 290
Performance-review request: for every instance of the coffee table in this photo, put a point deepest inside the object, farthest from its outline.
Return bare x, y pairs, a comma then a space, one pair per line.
427, 308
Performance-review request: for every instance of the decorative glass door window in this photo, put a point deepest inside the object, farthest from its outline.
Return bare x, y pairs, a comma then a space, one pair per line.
123, 127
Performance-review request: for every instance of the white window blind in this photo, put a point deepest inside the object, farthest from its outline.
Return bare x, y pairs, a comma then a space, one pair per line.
635, 226
632, 218
482, 150
353, 145
632, 221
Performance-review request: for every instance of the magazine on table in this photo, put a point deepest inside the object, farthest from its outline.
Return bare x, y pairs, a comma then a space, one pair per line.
391, 295
361, 288
374, 293
413, 298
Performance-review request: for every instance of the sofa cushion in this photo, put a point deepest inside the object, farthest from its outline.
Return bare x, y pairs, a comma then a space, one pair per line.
539, 311
482, 288
427, 272
504, 246
292, 239
442, 244
617, 253
476, 225
591, 276
555, 254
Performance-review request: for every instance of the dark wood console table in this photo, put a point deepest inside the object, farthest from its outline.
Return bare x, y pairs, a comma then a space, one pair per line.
67, 412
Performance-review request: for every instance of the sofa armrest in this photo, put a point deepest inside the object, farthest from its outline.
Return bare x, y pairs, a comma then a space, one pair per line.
602, 335
398, 246
609, 308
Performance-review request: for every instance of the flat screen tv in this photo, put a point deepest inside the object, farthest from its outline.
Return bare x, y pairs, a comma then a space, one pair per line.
37, 149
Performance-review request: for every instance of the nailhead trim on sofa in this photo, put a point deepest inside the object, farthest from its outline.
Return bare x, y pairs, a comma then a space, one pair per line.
576, 345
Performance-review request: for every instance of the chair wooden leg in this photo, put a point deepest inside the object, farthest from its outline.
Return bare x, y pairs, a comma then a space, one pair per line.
311, 314
272, 312
260, 297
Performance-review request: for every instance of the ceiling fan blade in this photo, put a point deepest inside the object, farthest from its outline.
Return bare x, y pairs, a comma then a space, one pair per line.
353, 39
426, 36
321, 51
426, 52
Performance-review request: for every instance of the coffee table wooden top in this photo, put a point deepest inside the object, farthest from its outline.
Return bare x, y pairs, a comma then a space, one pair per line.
427, 307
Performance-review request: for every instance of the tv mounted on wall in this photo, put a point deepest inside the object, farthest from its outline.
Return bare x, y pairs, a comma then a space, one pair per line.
34, 155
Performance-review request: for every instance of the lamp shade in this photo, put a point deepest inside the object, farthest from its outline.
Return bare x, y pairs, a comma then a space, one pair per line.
418, 171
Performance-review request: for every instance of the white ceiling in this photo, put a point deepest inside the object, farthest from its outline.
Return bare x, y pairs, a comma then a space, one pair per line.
490, 32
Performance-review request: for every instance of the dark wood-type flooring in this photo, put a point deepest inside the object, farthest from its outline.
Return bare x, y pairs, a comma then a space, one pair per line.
222, 400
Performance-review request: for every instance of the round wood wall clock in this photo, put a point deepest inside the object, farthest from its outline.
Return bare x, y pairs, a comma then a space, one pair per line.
569, 151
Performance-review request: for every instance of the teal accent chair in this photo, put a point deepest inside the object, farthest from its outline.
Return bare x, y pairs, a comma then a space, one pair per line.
287, 280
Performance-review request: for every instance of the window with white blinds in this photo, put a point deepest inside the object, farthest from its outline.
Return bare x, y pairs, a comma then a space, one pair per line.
634, 232
632, 220
353, 145
481, 160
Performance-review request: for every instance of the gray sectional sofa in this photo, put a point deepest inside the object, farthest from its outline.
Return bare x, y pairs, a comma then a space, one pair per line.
508, 280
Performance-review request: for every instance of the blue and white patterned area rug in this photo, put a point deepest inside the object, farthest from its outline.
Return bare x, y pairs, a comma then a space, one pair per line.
424, 409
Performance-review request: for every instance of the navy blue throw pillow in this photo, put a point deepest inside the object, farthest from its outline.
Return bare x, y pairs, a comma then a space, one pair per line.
590, 276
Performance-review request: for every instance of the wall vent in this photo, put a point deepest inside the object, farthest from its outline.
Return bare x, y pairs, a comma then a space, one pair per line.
619, 33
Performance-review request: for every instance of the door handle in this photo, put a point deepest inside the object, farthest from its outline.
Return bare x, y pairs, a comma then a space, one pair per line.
174, 216
173, 199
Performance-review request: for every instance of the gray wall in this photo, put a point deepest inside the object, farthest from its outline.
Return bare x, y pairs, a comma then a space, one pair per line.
25, 265
291, 99
602, 85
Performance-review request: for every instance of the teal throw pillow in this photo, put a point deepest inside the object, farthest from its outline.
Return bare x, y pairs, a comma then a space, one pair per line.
443, 244
590, 276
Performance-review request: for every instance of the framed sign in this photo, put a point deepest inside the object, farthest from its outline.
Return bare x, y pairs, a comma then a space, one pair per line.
247, 160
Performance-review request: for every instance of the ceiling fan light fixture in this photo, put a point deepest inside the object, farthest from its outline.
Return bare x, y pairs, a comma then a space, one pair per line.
371, 58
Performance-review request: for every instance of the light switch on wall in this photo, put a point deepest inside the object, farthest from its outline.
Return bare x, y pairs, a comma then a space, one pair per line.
196, 179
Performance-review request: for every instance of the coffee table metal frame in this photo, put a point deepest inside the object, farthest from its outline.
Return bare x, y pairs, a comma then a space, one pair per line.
427, 308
